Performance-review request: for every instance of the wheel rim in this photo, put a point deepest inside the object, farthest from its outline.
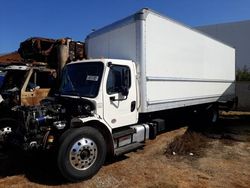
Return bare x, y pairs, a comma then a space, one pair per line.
83, 154
4, 133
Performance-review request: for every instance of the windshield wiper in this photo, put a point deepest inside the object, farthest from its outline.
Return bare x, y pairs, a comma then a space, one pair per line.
68, 82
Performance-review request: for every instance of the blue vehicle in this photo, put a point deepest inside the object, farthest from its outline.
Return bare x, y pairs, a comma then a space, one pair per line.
2, 77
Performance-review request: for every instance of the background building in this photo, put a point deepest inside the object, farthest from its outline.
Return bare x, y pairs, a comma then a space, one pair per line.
236, 34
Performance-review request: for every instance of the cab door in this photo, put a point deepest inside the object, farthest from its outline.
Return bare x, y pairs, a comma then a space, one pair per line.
26, 96
36, 87
120, 95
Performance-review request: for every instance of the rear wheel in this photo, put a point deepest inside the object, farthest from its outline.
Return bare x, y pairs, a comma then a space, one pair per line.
211, 115
81, 153
205, 117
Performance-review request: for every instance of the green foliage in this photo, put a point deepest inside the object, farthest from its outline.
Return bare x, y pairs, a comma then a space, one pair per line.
243, 74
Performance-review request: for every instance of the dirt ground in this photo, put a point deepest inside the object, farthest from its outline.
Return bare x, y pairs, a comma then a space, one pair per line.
181, 157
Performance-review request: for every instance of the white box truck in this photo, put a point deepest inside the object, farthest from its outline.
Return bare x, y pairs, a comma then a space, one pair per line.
176, 65
139, 69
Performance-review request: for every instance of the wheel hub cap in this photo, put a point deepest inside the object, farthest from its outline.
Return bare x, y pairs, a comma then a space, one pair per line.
83, 154
4, 132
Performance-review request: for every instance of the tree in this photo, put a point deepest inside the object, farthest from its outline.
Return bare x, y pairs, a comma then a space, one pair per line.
243, 74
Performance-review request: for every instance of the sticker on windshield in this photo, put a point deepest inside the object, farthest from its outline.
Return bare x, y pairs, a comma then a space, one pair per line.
92, 78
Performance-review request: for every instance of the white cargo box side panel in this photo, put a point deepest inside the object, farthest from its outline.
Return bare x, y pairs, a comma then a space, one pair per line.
184, 67
117, 43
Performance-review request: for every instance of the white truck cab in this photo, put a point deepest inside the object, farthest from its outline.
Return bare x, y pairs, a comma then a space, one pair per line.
110, 84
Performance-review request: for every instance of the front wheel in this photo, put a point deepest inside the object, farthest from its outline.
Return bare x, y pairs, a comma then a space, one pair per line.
7, 128
81, 154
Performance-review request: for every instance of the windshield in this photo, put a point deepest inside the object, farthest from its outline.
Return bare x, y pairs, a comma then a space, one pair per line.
82, 79
13, 79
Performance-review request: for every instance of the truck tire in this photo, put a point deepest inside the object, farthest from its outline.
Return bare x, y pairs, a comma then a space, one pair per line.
204, 118
81, 153
7, 127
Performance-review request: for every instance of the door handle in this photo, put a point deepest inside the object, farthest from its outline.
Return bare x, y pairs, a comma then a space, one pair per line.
132, 107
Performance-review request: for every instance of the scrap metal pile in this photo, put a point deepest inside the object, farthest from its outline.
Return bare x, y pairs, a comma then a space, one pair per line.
29, 76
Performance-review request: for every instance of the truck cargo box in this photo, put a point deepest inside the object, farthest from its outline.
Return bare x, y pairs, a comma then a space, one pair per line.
177, 66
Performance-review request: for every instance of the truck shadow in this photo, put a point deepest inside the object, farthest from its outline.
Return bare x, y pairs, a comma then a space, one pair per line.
37, 167
41, 168
230, 129
231, 126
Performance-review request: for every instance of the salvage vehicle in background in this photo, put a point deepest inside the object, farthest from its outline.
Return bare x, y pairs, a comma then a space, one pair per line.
2, 75
110, 106
27, 85
34, 76
29, 81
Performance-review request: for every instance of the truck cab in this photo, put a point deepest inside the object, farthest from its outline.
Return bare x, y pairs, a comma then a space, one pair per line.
110, 84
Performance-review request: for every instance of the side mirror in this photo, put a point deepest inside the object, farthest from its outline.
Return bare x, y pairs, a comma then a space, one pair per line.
125, 82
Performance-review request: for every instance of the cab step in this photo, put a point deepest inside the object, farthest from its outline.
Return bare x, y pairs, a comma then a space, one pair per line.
122, 133
128, 148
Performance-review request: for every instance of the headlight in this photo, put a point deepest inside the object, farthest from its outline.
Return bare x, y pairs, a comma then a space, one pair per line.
1, 98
